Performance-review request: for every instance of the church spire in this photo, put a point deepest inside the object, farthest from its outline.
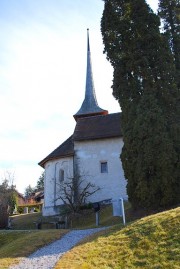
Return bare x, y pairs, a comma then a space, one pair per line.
89, 106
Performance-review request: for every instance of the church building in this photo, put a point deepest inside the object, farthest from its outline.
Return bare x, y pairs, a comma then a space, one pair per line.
95, 146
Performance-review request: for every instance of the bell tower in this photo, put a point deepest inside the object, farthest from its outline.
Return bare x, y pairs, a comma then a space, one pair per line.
90, 105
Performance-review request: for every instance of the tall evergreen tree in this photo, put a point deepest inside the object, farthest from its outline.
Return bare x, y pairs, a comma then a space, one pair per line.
169, 11
40, 182
29, 191
145, 86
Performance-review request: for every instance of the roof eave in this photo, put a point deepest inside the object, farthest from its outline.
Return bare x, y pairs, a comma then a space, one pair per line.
85, 115
43, 162
97, 137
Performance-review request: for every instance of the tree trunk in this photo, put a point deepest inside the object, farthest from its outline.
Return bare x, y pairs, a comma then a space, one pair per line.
4, 215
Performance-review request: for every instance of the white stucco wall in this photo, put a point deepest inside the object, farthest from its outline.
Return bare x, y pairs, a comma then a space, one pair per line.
90, 155
51, 183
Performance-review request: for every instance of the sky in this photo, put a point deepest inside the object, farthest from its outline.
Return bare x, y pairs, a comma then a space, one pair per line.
42, 78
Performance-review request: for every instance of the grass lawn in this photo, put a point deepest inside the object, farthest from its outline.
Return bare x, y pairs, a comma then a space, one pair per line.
149, 243
86, 219
25, 239
25, 221
15, 245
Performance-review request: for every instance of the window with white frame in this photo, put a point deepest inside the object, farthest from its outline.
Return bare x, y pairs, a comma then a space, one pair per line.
104, 167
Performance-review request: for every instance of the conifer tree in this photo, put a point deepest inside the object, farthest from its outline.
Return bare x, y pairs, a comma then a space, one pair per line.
145, 86
169, 11
40, 182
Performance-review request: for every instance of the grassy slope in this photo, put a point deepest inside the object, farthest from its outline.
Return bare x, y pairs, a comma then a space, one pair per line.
24, 239
152, 242
86, 219
17, 244
25, 221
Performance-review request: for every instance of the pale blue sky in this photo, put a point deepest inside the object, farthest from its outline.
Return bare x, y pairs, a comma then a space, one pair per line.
42, 77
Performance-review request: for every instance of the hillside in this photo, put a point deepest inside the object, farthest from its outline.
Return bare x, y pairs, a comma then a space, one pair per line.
151, 242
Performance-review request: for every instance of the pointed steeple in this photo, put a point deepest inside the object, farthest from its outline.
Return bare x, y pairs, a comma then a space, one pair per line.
89, 106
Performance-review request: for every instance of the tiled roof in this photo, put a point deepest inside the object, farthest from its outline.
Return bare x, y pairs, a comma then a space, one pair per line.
94, 127
64, 150
101, 126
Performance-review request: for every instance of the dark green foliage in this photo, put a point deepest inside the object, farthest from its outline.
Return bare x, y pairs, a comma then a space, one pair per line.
40, 183
146, 158
169, 11
29, 191
8, 196
13, 202
144, 83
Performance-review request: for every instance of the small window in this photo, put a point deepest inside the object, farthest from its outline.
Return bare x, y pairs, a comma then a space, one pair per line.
104, 167
61, 175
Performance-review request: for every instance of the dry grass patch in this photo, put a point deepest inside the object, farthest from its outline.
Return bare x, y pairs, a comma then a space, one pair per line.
149, 243
14, 245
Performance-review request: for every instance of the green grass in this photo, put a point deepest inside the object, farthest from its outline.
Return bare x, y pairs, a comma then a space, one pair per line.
152, 242
15, 245
25, 238
25, 221
86, 219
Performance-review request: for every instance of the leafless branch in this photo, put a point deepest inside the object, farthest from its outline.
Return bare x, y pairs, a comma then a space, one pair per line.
75, 191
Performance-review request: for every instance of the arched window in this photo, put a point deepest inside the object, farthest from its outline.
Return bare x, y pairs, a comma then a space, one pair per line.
61, 175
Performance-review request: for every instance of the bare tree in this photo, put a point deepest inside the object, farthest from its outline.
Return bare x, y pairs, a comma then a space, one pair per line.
75, 191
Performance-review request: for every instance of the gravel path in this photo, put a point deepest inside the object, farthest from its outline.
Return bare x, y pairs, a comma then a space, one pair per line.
47, 257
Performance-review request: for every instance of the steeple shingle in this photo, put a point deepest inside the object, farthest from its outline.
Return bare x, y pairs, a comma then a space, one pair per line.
89, 106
